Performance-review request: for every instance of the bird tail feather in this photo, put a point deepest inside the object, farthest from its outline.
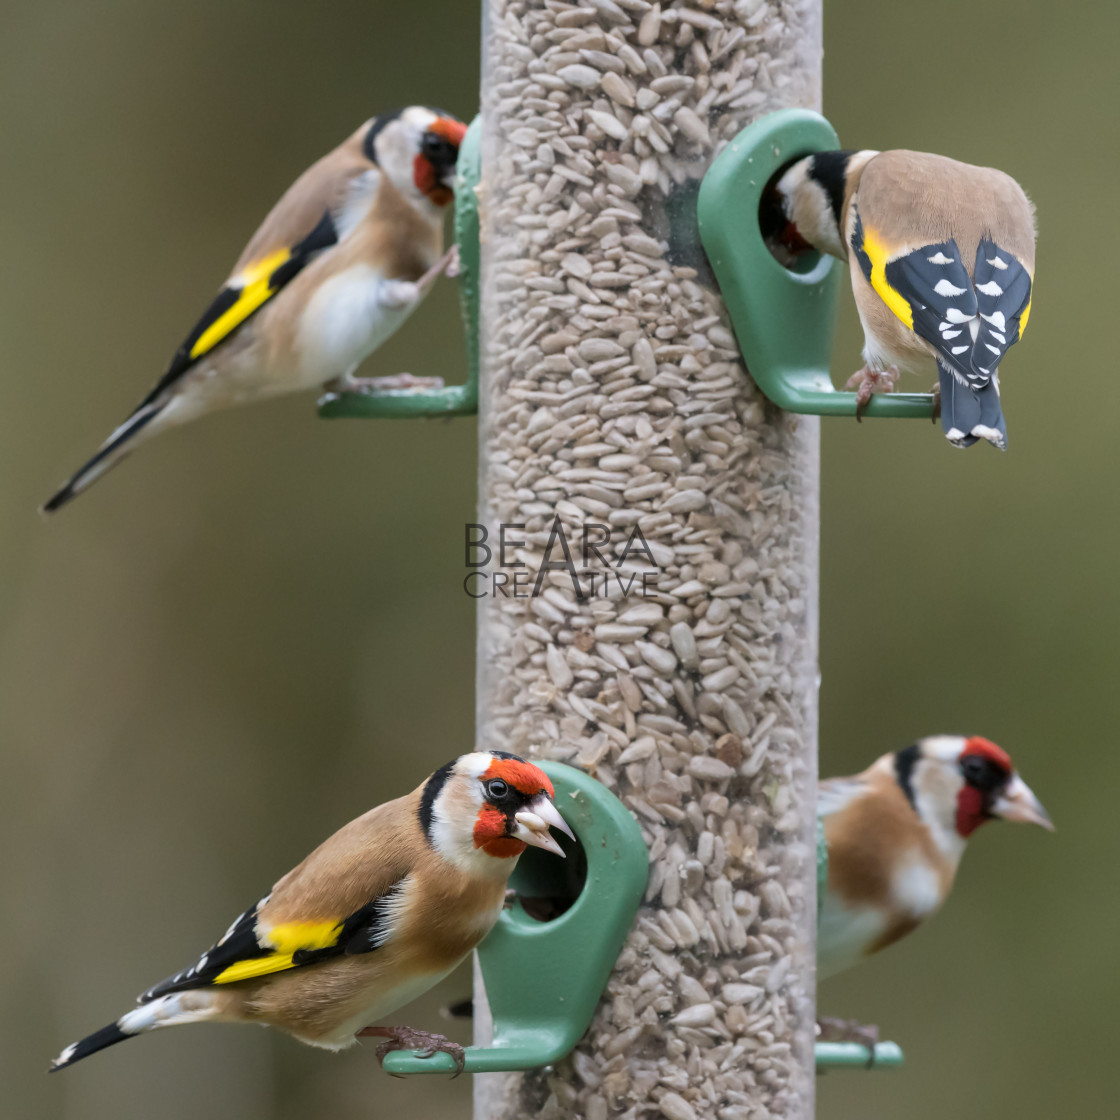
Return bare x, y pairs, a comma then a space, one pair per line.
167, 1011
111, 452
970, 413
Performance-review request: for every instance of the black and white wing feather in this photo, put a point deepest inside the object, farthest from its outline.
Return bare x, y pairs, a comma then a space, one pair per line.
253, 947
1003, 293
935, 284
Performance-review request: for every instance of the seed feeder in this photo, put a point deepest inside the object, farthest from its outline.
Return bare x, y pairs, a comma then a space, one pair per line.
783, 317
547, 961
451, 400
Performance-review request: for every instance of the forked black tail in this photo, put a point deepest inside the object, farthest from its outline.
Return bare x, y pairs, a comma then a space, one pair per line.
111, 452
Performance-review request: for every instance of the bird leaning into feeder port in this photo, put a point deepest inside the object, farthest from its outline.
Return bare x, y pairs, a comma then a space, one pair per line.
895, 836
341, 261
941, 258
375, 916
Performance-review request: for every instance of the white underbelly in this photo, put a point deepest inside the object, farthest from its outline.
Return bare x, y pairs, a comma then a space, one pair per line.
383, 1003
844, 934
343, 323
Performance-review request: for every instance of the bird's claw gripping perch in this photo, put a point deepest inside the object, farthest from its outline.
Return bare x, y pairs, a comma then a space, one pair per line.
396, 383
849, 1030
868, 381
423, 1043
447, 264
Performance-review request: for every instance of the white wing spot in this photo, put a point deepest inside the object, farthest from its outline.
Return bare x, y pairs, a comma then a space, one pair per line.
954, 315
994, 349
959, 349
991, 288
945, 288
999, 262
948, 334
940, 258
1000, 338
66, 1055
996, 319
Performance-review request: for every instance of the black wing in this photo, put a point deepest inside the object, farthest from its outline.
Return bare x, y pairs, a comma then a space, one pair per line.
936, 286
237, 302
245, 952
1003, 292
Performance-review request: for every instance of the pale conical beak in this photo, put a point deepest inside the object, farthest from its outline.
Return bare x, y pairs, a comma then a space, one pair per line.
534, 822
1018, 803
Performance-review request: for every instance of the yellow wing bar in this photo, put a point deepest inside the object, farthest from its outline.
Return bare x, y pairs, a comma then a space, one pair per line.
256, 289
287, 939
877, 254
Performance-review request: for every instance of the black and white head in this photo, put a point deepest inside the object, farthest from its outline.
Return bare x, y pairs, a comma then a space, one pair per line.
957, 782
417, 148
481, 811
805, 208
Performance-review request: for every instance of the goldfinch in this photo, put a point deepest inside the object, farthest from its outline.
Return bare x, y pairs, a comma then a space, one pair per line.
896, 833
375, 916
340, 262
941, 257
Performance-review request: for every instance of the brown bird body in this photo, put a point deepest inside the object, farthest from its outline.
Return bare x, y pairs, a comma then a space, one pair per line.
907, 201
941, 257
442, 913
335, 268
896, 834
377, 914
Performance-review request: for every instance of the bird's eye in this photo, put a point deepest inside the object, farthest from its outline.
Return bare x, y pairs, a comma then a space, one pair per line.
496, 790
437, 148
981, 772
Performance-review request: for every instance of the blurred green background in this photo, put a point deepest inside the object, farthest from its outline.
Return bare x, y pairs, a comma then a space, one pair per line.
255, 629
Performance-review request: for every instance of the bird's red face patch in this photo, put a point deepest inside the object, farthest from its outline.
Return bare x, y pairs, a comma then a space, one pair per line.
523, 776
493, 825
449, 129
490, 834
972, 802
440, 149
985, 748
427, 181
791, 238
970, 811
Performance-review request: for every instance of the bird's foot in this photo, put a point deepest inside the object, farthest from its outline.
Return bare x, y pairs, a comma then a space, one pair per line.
425, 1043
447, 264
848, 1030
936, 414
867, 381
453, 266
397, 383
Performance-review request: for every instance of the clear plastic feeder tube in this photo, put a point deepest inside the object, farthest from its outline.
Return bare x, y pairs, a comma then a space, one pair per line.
653, 618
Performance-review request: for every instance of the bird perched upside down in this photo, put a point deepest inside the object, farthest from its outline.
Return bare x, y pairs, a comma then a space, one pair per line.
342, 260
941, 256
895, 835
375, 916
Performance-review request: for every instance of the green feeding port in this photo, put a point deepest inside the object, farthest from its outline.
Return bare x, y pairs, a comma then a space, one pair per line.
451, 400
783, 316
547, 961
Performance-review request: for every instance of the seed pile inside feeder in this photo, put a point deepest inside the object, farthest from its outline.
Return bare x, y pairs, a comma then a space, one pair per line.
613, 393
